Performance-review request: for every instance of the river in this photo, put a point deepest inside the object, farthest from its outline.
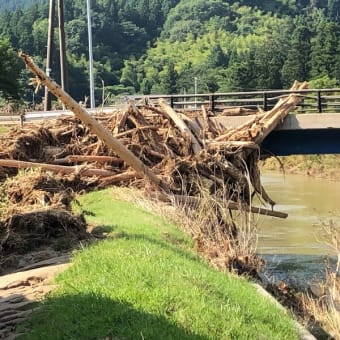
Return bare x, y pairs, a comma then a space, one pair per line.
292, 247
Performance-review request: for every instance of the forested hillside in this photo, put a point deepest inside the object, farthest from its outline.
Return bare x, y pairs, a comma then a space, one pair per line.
11, 5
155, 46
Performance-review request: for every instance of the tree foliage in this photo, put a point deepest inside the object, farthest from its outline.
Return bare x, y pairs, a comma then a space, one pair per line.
153, 46
10, 67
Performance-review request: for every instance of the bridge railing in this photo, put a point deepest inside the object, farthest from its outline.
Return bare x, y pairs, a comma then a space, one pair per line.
315, 100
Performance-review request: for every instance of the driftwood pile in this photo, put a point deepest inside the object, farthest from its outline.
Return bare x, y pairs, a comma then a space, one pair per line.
173, 154
183, 152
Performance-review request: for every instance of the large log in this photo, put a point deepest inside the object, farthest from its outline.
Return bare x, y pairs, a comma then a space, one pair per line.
172, 115
93, 125
194, 202
285, 105
11, 163
119, 178
88, 158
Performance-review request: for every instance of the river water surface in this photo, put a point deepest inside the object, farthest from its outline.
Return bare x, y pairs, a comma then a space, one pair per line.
293, 247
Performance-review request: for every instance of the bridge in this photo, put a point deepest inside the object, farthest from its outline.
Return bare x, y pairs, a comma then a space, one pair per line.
313, 128
298, 134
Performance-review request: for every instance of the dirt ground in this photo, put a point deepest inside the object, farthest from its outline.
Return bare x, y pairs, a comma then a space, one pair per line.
20, 292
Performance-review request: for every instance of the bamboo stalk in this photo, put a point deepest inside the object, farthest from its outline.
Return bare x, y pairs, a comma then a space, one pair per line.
99, 159
93, 125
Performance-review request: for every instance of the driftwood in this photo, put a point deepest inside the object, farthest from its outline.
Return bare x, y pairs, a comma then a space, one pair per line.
119, 178
273, 117
237, 111
83, 158
10, 163
171, 114
200, 164
195, 201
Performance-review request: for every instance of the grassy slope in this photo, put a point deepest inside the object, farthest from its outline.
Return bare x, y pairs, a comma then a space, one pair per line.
146, 282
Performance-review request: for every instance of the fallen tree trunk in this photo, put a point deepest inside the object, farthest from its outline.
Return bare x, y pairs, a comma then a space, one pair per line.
285, 105
10, 163
90, 158
119, 178
90, 122
172, 115
195, 201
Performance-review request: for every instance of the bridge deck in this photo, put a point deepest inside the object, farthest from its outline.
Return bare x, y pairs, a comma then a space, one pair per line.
292, 121
299, 134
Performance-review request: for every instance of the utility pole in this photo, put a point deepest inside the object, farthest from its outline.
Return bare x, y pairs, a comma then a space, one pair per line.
89, 30
195, 86
63, 61
50, 35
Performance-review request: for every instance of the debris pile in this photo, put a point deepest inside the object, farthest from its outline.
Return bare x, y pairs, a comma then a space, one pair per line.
185, 151
176, 154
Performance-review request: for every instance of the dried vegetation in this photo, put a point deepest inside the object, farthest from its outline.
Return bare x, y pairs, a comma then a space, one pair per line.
323, 301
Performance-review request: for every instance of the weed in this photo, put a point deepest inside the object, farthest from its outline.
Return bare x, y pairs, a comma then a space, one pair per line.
324, 302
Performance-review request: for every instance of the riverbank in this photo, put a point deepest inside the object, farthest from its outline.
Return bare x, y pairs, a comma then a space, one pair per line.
319, 166
145, 280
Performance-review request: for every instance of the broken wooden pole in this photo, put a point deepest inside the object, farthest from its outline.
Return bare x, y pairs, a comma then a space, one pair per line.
92, 124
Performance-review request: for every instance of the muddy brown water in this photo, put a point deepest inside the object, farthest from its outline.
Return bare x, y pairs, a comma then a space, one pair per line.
293, 247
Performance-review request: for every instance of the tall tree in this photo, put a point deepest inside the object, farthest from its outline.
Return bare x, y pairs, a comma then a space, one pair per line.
324, 48
10, 68
296, 66
240, 73
333, 10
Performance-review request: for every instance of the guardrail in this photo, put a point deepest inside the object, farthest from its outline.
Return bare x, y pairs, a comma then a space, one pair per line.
315, 100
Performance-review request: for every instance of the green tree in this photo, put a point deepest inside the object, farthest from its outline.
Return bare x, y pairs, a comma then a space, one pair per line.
10, 68
240, 73
296, 66
167, 80
324, 49
269, 56
333, 10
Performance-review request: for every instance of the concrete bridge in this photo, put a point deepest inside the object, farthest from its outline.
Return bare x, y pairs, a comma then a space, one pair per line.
299, 134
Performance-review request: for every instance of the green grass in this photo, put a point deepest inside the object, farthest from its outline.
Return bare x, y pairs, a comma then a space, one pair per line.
146, 282
324, 166
4, 129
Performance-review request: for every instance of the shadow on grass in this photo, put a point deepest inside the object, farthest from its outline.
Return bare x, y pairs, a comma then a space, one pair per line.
97, 317
171, 242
